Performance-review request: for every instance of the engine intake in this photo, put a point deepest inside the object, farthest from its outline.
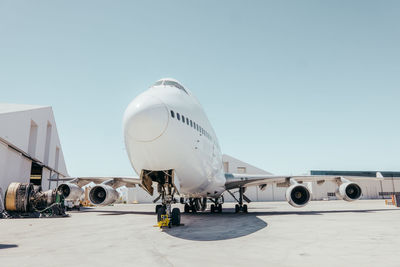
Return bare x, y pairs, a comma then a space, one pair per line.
70, 191
103, 195
349, 192
298, 195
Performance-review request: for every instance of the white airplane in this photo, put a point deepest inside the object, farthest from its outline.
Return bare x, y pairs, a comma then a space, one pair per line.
170, 142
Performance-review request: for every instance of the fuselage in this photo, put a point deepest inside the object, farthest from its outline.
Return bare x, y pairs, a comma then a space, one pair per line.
166, 128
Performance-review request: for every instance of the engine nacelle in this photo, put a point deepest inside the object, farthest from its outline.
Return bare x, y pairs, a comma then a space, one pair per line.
349, 192
103, 195
70, 191
298, 195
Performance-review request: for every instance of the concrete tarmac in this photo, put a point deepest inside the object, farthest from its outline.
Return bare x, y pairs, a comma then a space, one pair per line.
324, 233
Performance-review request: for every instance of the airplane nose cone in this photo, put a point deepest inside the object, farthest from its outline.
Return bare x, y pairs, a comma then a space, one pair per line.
146, 118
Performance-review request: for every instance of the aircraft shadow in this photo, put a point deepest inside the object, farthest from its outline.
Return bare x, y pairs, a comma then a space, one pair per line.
5, 246
217, 226
228, 225
314, 212
205, 226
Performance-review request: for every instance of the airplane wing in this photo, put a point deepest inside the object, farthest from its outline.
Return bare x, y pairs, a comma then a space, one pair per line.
235, 180
114, 182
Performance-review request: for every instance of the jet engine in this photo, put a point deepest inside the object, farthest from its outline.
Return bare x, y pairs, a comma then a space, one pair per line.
349, 191
103, 195
70, 191
298, 195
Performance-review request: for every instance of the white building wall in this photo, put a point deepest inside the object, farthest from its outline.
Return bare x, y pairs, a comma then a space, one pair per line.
15, 121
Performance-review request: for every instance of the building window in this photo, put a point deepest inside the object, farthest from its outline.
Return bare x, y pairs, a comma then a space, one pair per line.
241, 169
172, 114
226, 166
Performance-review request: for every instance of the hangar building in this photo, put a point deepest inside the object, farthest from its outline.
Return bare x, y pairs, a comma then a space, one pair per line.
30, 149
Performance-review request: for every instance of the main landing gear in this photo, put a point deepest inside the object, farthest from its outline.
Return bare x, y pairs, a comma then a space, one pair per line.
195, 204
240, 207
217, 206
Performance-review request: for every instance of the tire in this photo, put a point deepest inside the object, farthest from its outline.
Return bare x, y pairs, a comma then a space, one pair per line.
219, 208
203, 204
193, 209
157, 207
175, 217
160, 211
212, 208
187, 208
237, 208
244, 208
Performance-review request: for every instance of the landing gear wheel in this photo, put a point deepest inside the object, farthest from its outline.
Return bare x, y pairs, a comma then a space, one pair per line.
193, 209
244, 208
187, 208
157, 208
219, 208
176, 217
212, 208
237, 208
161, 211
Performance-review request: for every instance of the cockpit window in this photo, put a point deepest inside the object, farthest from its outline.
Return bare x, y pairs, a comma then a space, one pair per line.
158, 83
175, 84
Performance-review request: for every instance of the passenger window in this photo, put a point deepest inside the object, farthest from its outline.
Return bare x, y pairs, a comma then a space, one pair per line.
191, 124
187, 121
172, 114
178, 116
183, 119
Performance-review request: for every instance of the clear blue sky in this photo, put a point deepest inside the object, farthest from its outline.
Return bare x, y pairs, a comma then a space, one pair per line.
288, 85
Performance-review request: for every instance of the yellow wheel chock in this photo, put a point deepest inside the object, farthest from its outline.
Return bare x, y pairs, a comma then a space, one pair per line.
165, 222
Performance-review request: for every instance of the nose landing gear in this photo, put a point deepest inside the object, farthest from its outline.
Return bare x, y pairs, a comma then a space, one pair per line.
166, 216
